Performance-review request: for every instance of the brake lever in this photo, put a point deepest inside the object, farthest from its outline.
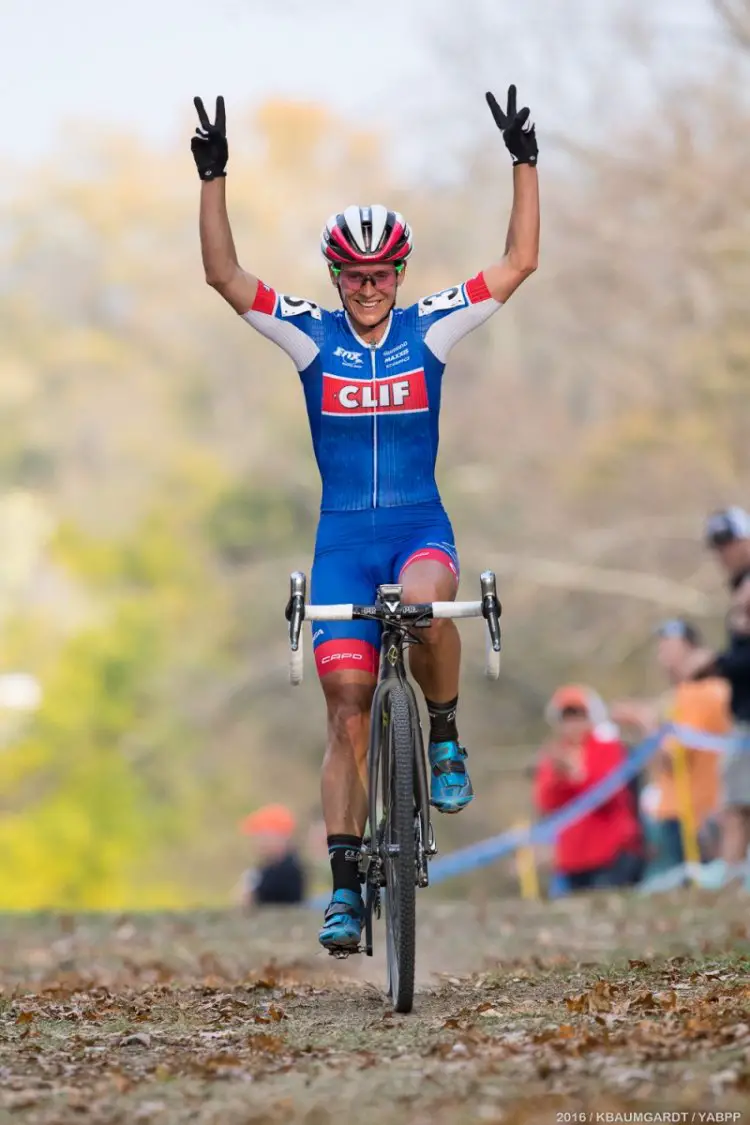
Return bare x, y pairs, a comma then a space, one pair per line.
295, 607
491, 607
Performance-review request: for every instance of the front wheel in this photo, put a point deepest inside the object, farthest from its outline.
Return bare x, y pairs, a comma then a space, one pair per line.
399, 851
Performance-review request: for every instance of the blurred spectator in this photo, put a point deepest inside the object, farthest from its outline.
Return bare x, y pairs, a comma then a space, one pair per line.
278, 877
728, 536
603, 848
704, 708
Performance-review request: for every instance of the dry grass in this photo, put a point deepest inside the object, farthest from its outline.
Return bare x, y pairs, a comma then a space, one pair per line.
524, 1011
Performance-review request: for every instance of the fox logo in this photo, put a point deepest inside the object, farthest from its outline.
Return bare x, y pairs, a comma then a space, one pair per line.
352, 359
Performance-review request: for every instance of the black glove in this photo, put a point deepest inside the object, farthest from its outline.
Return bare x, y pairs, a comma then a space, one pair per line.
209, 144
517, 129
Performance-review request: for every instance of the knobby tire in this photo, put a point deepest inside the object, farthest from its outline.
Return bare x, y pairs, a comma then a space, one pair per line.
400, 870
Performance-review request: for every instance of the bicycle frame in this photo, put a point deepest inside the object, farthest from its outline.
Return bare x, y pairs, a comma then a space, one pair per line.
392, 674
398, 622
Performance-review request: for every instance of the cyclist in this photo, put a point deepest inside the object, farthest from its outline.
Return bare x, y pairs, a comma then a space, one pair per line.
371, 376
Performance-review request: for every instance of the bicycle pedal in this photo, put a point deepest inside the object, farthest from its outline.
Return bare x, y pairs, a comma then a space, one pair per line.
341, 952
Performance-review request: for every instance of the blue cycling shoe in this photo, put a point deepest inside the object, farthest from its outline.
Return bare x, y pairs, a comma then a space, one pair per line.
450, 784
343, 921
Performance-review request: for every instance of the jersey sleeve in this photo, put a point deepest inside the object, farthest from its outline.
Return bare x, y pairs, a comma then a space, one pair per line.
293, 323
446, 317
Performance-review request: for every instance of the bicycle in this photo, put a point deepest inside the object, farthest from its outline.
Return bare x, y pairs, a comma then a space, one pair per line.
401, 840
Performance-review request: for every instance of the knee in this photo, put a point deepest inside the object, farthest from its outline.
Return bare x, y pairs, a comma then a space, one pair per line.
422, 595
430, 582
434, 633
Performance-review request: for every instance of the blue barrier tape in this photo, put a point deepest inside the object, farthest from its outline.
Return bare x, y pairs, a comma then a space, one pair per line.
545, 831
715, 743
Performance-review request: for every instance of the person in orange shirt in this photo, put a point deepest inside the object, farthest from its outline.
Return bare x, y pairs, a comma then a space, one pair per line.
279, 876
702, 705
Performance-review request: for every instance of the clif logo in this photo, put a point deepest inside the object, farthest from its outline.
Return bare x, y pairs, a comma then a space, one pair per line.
405, 393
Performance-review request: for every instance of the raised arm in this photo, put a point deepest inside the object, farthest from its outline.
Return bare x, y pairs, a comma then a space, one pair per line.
522, 243
223, 271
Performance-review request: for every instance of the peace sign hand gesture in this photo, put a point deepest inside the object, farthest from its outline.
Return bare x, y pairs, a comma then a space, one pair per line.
517, 128
209, 144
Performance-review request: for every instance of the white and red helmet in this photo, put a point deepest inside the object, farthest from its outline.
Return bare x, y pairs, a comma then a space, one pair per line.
366, 234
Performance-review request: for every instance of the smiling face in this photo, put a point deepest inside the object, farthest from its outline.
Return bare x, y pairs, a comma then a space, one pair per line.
368, 293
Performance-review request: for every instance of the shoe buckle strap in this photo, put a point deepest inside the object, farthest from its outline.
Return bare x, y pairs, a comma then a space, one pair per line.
448, 765
336, 908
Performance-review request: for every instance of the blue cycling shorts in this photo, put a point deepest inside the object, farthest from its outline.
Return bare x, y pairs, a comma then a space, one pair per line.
356, 551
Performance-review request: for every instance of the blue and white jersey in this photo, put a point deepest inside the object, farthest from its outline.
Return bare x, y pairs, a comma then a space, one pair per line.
373, 409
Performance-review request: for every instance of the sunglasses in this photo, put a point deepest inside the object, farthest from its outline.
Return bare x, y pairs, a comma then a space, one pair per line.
380, 277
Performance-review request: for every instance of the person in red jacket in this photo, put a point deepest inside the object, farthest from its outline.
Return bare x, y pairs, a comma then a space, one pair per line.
603, 848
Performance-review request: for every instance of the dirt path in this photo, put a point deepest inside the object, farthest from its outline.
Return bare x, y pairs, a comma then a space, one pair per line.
525, 1013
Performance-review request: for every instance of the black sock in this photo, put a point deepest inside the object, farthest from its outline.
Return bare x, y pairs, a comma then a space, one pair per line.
344, 855
443, 720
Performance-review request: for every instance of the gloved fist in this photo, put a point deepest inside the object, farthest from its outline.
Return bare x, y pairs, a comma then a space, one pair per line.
517, 128
209, 145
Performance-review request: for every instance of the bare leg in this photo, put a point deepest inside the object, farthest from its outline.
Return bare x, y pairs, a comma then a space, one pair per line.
435, 664
344, 775
735, 834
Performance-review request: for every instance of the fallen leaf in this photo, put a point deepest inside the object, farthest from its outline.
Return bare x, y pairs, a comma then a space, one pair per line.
23, 1100
644, 998
148, 1109
139, 1039
598, 1002
264, 1043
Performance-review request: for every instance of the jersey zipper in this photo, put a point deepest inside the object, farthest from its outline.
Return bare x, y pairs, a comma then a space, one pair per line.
373, 349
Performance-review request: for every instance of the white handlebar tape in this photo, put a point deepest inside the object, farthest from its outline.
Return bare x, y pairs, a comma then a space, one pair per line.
297, 663
492, 662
